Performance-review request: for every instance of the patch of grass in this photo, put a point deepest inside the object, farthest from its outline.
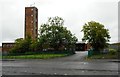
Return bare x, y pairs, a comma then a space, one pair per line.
103, 56
0, 56
36, 56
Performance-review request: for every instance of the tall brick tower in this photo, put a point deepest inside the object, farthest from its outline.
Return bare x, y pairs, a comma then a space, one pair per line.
31, 22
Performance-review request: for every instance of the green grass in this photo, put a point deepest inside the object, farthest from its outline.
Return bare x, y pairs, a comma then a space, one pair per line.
103, 56
0, 56
36, 56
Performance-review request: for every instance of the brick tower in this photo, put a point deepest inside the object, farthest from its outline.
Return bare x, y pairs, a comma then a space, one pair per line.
31, 22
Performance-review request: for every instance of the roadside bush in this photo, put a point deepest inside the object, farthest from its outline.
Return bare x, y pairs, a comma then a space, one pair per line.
118, 50
112, 51
21, 46
105, 51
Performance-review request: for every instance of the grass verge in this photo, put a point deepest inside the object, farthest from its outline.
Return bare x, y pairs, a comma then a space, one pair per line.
103, 56
36, 56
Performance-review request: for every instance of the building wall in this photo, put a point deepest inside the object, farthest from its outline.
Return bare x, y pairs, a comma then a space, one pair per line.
31, 22
88, 46
0, 48
80, 46
7, 46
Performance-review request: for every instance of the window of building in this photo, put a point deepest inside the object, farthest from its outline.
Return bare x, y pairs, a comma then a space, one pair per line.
31, 21
31, 9
11, 45
7, 45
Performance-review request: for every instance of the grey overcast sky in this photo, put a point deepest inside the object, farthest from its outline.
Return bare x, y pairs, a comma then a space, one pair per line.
75, 13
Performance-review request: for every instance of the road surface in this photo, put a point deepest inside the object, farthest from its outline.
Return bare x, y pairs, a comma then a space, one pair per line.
71, 65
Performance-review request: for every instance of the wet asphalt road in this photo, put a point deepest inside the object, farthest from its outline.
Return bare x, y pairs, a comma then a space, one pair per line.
71, 65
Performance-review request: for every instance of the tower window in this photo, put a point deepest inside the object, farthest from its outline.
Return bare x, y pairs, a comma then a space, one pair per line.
31, 21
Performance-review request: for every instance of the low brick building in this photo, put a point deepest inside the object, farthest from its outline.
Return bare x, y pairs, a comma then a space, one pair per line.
82, 46
115, 45
7, 46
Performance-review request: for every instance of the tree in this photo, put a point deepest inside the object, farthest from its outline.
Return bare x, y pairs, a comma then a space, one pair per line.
18, 40
53, 35
36, 46
21, 45
96, 35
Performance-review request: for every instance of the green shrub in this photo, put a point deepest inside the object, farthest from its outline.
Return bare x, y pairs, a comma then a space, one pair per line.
112, 51
118, 50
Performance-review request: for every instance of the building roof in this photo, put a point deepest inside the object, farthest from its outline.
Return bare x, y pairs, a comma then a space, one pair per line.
9, 43
115, 43
80, 42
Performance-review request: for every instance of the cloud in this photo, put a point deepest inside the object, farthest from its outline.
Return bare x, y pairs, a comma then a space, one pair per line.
12, 20
75, 13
